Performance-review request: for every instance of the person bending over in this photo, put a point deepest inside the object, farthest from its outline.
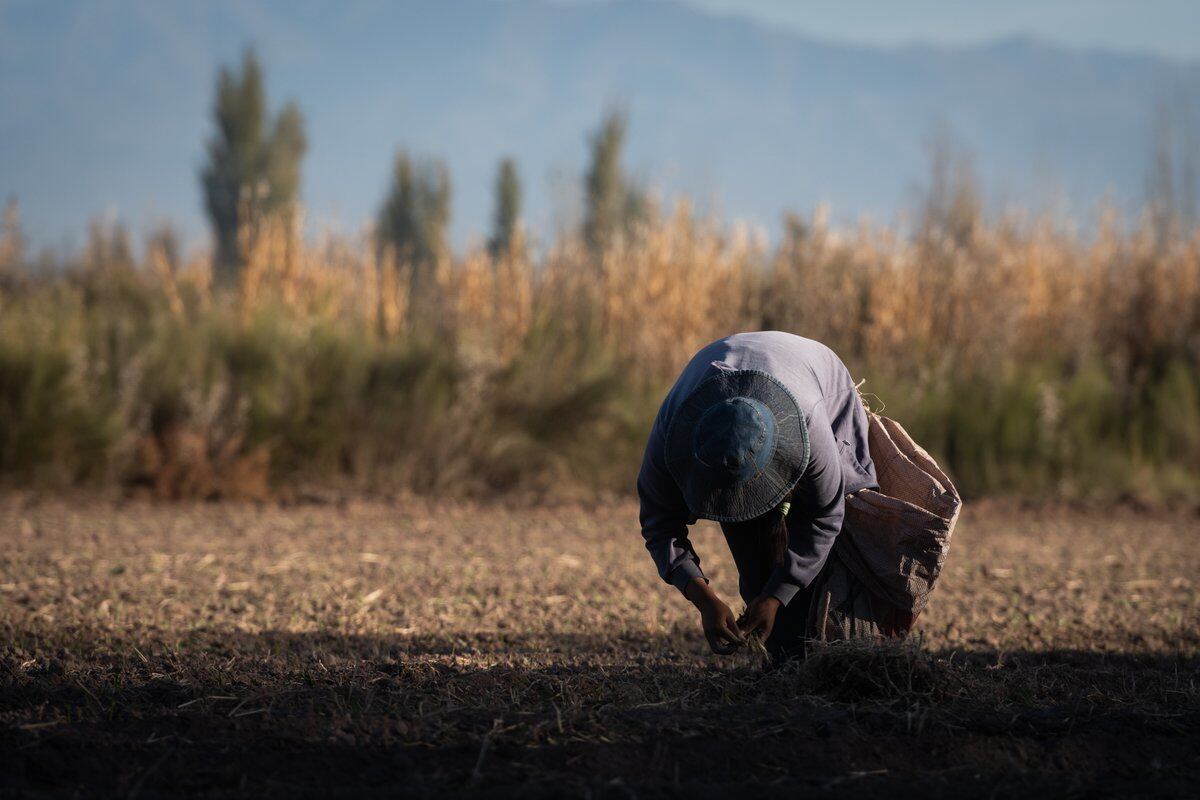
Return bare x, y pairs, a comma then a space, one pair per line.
764, 433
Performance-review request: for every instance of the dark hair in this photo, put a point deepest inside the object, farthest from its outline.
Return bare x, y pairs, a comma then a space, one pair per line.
778, 537
770, 531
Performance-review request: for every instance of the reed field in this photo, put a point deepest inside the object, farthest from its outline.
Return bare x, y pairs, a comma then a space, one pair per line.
1032, 361
440, 588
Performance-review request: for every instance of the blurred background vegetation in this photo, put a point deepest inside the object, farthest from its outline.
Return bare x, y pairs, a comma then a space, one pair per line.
1032, 360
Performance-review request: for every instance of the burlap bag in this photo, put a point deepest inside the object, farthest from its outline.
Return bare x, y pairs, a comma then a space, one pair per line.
892, 545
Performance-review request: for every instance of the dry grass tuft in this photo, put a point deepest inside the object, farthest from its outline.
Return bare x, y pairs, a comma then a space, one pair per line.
884, 671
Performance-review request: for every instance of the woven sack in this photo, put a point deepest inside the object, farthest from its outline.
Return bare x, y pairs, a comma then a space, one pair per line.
893, 542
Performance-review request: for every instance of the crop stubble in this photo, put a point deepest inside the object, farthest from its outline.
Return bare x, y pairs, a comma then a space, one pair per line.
415, 648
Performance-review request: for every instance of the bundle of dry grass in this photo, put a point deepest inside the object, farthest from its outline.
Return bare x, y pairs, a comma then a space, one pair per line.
858, 670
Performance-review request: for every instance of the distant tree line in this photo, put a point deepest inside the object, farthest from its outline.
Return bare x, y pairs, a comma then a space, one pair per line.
253, 170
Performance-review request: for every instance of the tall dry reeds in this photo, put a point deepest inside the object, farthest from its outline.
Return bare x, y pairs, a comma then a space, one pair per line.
1030, 359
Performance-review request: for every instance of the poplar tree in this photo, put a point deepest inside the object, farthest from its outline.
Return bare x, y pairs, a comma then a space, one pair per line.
253, 169
613, 204
508, 208
416, 212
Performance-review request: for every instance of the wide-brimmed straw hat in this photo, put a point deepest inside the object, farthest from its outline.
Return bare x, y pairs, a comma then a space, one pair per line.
737, 445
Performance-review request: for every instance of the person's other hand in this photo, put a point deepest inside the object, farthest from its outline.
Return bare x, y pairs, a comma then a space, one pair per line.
720, 626
760, 616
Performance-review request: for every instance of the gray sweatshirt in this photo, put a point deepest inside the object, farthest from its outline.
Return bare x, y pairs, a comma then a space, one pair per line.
839, 461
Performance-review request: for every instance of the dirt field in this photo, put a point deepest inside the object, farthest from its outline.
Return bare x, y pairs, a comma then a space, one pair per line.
421, 650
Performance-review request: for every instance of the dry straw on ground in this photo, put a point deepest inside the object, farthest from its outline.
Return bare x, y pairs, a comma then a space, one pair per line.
420, 649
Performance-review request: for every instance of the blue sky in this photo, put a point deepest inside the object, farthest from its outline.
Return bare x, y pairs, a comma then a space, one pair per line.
1166, 27
105, 104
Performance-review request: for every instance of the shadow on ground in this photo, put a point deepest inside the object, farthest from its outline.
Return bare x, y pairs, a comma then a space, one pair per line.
224, 712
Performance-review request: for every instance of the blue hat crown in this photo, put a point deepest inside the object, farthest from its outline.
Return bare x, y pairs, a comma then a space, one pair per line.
737, 445
735, 436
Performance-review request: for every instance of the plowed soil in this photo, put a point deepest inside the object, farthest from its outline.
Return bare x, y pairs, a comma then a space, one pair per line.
412, 649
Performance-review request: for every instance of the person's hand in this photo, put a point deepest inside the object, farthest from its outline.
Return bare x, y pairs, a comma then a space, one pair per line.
720, 626
760, 616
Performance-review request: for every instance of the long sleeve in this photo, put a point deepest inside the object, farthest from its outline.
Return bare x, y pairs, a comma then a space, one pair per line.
665, 516
818, 506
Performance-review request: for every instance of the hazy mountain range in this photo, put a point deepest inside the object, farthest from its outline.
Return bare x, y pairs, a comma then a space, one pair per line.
105, 106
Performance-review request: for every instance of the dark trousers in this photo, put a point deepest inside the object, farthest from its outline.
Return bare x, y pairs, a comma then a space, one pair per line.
753, 554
